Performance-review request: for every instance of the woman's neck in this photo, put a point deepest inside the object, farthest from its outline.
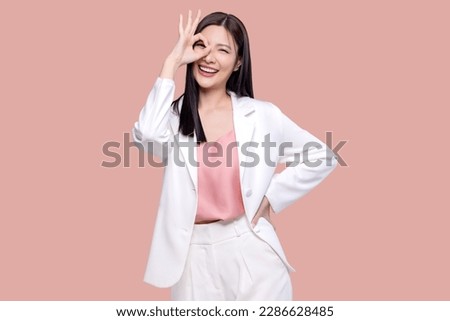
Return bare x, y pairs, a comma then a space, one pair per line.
211, 99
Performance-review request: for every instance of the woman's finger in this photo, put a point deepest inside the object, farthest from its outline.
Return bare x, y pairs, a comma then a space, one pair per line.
255, 221
203, 53
196, 21
189, 23
256, 218
180, 25
201, 37
200, 53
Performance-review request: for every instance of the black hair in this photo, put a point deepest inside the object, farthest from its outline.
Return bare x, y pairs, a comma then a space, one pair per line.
240, 81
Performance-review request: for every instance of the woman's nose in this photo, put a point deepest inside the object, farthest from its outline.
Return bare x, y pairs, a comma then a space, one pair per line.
209, 58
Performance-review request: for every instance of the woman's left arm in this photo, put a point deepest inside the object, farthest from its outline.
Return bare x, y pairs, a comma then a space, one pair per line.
308, 160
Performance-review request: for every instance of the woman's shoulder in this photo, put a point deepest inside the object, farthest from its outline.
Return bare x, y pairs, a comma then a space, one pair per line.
261, 106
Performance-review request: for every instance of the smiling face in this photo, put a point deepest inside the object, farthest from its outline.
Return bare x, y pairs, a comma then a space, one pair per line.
213, 70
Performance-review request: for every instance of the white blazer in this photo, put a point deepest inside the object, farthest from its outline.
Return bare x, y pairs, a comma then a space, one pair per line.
253, 119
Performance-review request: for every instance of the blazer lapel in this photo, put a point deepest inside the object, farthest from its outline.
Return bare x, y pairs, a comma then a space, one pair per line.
244, 126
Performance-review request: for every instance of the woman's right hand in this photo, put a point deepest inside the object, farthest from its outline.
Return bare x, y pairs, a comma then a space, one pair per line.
183, 53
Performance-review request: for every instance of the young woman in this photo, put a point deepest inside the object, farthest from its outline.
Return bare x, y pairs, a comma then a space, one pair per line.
213, 238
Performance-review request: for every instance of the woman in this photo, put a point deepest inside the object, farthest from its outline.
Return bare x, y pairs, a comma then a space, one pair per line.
213, 237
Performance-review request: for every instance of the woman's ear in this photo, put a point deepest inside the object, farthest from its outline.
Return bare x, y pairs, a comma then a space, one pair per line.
238, 64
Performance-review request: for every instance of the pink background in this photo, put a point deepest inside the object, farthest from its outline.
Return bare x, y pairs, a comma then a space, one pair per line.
75, 76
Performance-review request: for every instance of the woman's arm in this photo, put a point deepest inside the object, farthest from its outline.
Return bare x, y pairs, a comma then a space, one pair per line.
309, 161
151, 131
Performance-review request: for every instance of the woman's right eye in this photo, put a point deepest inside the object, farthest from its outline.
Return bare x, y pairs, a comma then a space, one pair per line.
199, 44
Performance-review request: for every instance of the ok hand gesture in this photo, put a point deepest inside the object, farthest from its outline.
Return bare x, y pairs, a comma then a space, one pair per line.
183, 52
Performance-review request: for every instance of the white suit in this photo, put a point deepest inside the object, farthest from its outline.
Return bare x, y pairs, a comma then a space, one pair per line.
253, 120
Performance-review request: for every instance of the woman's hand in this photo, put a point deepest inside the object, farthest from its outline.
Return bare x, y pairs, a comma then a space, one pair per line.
263, 211
183, 53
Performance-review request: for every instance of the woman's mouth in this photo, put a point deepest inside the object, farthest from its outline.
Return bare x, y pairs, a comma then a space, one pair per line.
207, 71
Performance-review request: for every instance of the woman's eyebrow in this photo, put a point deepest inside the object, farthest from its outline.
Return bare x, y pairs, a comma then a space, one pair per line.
224, 45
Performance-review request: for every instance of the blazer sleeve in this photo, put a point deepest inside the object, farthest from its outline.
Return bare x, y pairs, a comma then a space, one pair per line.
151, 132
308, 161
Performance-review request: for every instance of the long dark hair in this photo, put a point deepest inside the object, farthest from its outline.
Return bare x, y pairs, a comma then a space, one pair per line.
240, 81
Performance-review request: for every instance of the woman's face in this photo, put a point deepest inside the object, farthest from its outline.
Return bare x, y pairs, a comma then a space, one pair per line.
213, 70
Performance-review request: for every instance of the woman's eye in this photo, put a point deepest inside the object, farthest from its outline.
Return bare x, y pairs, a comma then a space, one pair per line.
199, 45
223, 50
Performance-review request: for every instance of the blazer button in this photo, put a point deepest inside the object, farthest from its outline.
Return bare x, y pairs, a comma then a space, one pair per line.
249, 193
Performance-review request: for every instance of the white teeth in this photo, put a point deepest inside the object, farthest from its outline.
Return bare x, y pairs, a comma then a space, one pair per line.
206, 69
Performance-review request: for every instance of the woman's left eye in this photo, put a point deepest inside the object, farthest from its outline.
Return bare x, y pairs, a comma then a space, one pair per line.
223, 50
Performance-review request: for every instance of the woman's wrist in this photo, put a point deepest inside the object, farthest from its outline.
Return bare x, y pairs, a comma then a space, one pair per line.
266, 202
169, 68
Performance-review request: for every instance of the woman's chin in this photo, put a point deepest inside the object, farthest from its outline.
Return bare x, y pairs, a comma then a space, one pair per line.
206, 83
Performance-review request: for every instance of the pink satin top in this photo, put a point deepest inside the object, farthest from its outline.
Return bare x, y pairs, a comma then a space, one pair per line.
219, 187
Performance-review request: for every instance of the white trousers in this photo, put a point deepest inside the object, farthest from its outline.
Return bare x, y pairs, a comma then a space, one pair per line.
228, 261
